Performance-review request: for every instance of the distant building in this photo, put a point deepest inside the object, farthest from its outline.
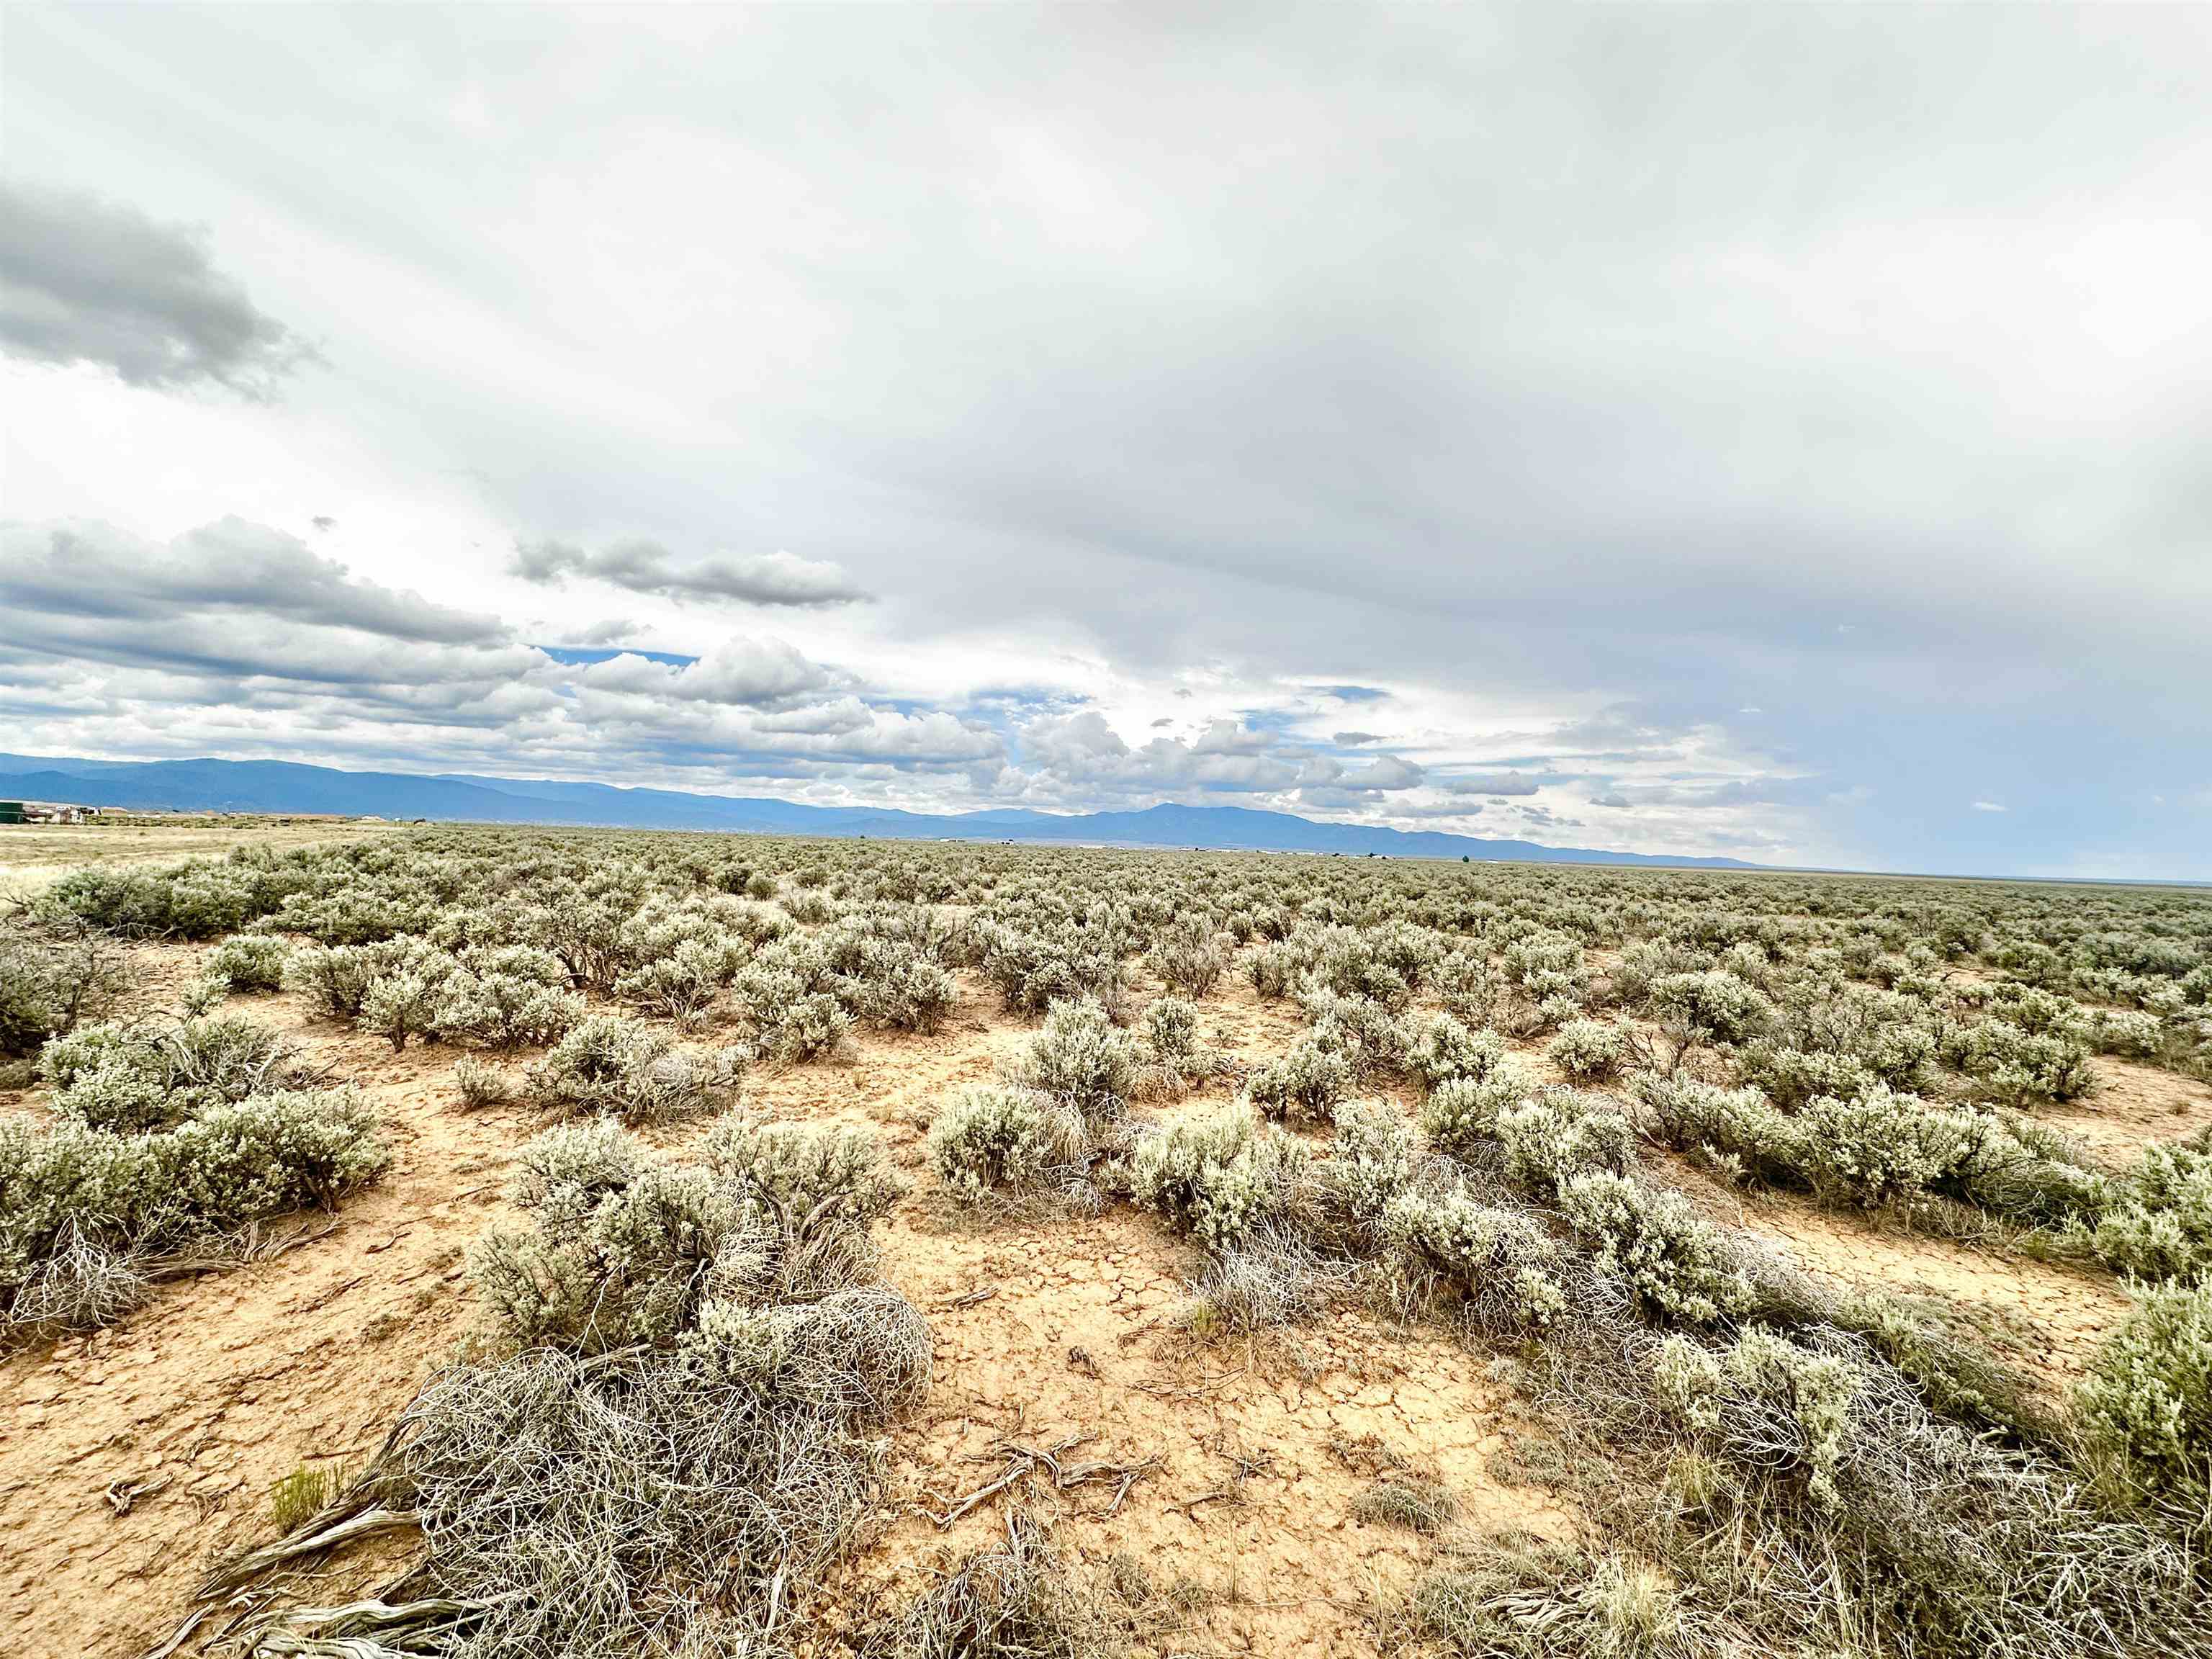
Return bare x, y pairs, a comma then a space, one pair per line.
44, 812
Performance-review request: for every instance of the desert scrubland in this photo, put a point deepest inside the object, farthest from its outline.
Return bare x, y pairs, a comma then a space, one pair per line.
467, 1241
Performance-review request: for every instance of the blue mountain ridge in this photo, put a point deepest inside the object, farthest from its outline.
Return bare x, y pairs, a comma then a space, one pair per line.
276, 786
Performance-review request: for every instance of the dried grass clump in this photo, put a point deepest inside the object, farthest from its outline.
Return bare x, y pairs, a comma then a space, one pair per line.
622, 1504
1406, 1499
1525, 1599
1271, 1278
1021, 1599
483, 1084
81, 1283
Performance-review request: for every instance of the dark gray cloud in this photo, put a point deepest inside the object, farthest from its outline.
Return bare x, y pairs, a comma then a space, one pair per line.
1491, 783
645, 566
88, 568
83, 280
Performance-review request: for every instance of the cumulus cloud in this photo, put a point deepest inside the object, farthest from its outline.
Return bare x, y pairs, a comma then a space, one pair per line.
768, 673
246, 642
1082, 753
83, 280
646, 567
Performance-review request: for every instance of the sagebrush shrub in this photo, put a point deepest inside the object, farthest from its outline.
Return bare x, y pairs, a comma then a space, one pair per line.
987, 1139
1439, 1050
1188, 956
333, 978
1172, 1033
609, 1063
1372, 1158
399, 1006
2023, 1066
1712, 1006
1882, 1146
1671, 1259
505, 1005
1220, 1176
1305, 1081
249, 962
1559, 1134
1498, 1262
905, 989
1462, 1115
1590, 1050
2148, 1399
2158, 1226
793, 1171
1761, 1371
1083, 1058
68, 1189
135, 1078
53, 977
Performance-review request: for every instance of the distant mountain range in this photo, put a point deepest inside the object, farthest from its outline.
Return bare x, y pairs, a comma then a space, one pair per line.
284, 786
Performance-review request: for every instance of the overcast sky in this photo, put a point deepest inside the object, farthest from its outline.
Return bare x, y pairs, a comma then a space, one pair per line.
1777, 432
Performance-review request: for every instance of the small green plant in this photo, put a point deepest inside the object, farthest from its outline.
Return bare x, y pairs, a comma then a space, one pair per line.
301, 1496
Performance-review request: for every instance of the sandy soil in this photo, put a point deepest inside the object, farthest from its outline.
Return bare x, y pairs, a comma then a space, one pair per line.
2043, 1317
1046, 1328
2133, 1104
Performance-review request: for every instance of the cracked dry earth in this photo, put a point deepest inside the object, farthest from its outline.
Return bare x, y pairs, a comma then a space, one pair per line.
131, 1458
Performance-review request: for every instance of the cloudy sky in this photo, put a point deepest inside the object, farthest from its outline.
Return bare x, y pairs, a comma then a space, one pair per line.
1777, 432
